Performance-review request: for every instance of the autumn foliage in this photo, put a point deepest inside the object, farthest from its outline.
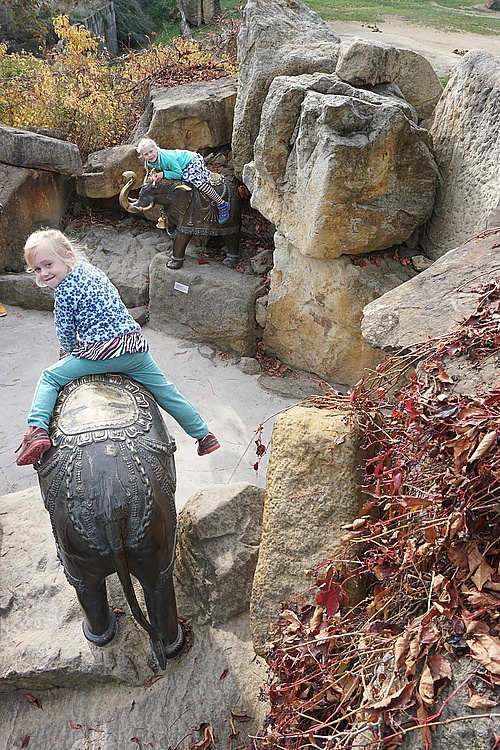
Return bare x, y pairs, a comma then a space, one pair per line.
423, 557
93, 100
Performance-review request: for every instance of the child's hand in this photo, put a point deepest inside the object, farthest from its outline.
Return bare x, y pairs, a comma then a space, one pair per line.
157, 177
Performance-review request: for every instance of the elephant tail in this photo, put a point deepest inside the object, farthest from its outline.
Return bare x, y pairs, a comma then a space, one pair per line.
121, 567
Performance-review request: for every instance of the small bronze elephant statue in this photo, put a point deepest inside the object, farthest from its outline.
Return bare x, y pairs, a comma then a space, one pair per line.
108, 483
188, 212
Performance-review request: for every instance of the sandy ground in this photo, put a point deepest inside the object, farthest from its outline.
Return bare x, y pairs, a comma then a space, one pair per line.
435, 45
232, 403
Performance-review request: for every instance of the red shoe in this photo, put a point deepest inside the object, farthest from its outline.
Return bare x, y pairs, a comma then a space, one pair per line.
35, 443
208, 444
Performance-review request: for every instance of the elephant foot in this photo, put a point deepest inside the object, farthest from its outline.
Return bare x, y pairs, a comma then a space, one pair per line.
175, 263
106, 637
231, 260
164, 652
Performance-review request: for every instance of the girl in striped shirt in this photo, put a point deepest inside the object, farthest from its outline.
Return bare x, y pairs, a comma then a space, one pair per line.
99, 335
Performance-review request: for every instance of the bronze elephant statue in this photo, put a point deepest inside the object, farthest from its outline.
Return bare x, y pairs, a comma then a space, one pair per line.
188, 212
108, 483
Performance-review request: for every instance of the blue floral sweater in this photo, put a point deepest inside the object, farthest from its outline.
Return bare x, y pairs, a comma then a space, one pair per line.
88, 309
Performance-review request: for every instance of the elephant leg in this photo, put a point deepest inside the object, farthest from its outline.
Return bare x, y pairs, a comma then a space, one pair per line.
99, 625
159, 596
178, 253
232, 242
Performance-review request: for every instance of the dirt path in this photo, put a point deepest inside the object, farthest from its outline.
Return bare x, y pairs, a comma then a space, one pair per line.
435, 45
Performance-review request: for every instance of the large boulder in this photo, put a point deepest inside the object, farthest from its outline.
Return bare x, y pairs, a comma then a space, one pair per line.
277, 37
210, 303
367, 63
364, 63
466, 136
31, 198
348, 164
102, 174
430, 304
219, 535
25, 148
314, 311
193, 116
418, 82
311, 491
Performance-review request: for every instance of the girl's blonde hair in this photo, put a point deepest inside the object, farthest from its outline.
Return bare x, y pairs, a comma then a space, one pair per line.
145, 143
57, 244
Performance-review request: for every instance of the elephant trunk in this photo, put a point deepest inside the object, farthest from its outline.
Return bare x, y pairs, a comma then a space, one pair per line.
124, 200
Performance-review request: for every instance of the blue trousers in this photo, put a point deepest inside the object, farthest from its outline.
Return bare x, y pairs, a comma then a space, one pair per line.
140, 367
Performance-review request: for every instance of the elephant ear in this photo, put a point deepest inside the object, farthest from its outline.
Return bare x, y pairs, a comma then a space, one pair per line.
181, 198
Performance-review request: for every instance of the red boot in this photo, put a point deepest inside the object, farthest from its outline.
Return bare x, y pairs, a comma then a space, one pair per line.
208, 444
35, 443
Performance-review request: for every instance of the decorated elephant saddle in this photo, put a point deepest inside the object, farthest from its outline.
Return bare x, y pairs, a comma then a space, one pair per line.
199, 215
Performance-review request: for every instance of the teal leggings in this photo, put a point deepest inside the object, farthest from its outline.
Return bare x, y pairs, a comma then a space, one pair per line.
140, 367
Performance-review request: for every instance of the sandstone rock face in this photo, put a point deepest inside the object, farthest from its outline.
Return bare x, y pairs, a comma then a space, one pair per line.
277, 37
219, 535
349, 165
24, 148
430, 304
314, 311
210, 303
364, 63
466, 136
193, 116
124, 255
311, 492
102, 175
418, 82
31, 198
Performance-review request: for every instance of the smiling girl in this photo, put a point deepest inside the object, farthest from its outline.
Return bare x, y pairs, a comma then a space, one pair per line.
99, 335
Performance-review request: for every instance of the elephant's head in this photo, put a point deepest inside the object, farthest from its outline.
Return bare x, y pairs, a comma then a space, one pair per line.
170, 194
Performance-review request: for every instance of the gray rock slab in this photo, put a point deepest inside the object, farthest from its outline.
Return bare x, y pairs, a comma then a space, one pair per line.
219, 535
430, 304
124, 255
20, 289
364, 63
24, 148
210, 303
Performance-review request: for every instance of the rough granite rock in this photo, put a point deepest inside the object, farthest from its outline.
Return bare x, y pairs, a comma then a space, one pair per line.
430, 304
347, 164
210, 303
466, 137
418, 82
277, 37
24, 148
219, 535
311, 491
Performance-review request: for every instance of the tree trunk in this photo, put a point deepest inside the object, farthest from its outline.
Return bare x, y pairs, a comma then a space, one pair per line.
184, 26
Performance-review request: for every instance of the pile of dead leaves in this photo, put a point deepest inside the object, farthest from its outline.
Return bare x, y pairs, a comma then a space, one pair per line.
418, 585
